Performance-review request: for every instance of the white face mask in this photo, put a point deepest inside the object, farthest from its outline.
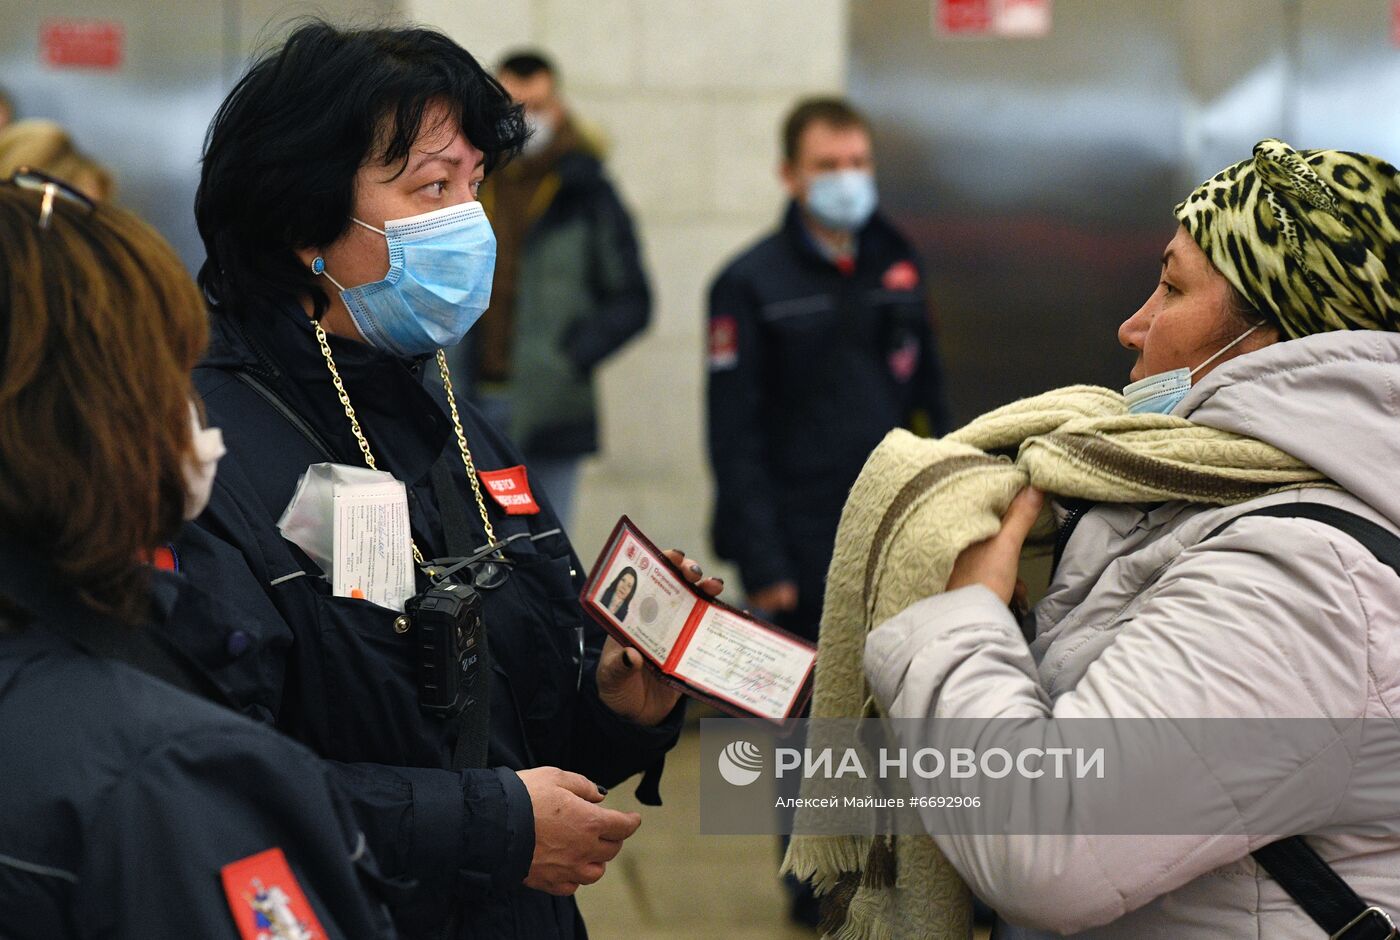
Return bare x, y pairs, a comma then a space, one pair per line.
541, 134
1161, 393
200, 465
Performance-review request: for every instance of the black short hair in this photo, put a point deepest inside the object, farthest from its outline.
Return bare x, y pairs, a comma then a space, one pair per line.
527, 63
837, 112
281, 156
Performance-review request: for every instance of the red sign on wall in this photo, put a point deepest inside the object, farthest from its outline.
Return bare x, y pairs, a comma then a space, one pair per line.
1395, 21
81, 44
963, 17
1013, 18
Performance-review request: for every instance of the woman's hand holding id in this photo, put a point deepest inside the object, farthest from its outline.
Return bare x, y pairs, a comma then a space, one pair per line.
625, 684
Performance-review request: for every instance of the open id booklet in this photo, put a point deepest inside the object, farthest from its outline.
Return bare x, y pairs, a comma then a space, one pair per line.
714, 652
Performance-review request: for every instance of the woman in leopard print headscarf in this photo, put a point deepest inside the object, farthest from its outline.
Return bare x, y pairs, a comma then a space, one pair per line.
1276, 318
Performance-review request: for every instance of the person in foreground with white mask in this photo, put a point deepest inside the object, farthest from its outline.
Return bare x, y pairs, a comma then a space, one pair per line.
132, 807
820, 342
476, 732
1262, 583
569, 290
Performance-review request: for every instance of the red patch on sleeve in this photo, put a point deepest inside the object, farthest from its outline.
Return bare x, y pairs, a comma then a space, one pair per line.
266, 901
724, 342
164, 558
902, 275
510, 488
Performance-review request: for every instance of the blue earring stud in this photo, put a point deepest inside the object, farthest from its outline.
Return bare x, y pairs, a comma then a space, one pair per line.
318, 265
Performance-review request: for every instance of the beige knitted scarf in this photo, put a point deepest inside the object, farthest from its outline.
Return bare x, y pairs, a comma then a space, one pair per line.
916, 505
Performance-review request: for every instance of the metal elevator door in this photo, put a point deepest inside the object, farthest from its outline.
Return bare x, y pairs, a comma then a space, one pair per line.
1037, 176
145, 119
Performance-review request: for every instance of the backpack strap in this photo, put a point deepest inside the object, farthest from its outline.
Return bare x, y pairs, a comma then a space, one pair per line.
1378, 540
1294, 864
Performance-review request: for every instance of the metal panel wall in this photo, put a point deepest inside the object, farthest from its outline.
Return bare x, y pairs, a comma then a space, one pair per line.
1348, 77
146, 120
1038, 175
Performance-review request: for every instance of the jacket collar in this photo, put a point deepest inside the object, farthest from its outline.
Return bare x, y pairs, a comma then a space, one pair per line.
405, 425
804, 242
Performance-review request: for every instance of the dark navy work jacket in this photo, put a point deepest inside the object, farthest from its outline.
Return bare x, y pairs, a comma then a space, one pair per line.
809, 367
124, 798
333, 673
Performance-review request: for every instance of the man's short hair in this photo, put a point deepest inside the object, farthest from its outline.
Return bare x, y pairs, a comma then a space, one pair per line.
283, 152
527, 63
834, 111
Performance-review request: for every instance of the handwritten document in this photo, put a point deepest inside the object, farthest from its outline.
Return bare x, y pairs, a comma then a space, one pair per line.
370, 529
755, 668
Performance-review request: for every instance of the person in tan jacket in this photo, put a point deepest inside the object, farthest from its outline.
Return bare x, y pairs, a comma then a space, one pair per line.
1276, 317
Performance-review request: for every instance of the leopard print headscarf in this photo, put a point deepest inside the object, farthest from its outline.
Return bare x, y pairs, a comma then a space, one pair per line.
1310, 238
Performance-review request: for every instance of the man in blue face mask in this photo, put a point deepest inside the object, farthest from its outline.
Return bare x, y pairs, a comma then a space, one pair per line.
820, 344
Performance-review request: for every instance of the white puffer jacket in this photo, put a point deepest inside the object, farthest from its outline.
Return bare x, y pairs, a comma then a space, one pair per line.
1273, 618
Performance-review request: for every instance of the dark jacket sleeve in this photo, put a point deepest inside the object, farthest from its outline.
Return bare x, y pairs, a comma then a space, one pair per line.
205, 800
622, 299
420, 822
607, 748
746, 523
603, 746
425, 824
930, 395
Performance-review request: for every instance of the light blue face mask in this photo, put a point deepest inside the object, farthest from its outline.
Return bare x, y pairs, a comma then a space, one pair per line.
842, 199
1160, 393
438, 285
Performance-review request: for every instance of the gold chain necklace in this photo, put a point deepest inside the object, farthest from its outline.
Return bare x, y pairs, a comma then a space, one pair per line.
456, 425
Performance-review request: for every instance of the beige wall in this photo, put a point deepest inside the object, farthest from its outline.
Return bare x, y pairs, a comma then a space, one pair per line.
690, 93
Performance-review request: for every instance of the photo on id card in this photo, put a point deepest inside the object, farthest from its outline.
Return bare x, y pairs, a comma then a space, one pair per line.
714, 652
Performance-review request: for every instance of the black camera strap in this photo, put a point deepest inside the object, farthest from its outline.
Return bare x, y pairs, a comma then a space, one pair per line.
1319, 890
474, 721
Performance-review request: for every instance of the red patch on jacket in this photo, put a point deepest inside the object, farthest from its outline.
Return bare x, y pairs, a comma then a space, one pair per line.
902, 275
164, 558
510, 488
266, 900
904, 361
724, 342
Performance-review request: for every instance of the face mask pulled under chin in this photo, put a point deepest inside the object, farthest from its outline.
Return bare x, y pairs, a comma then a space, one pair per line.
200, 465
1161, 393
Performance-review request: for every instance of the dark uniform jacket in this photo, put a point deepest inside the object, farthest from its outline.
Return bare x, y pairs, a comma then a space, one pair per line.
809, 367
125, 797
332, 672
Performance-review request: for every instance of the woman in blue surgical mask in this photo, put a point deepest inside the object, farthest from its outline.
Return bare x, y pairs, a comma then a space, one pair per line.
347, 248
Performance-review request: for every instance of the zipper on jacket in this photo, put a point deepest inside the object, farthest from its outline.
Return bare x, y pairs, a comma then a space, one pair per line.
1077, 509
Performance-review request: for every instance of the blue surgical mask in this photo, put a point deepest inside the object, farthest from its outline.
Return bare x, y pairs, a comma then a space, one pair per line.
1161, 393
842, 199
438, 285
